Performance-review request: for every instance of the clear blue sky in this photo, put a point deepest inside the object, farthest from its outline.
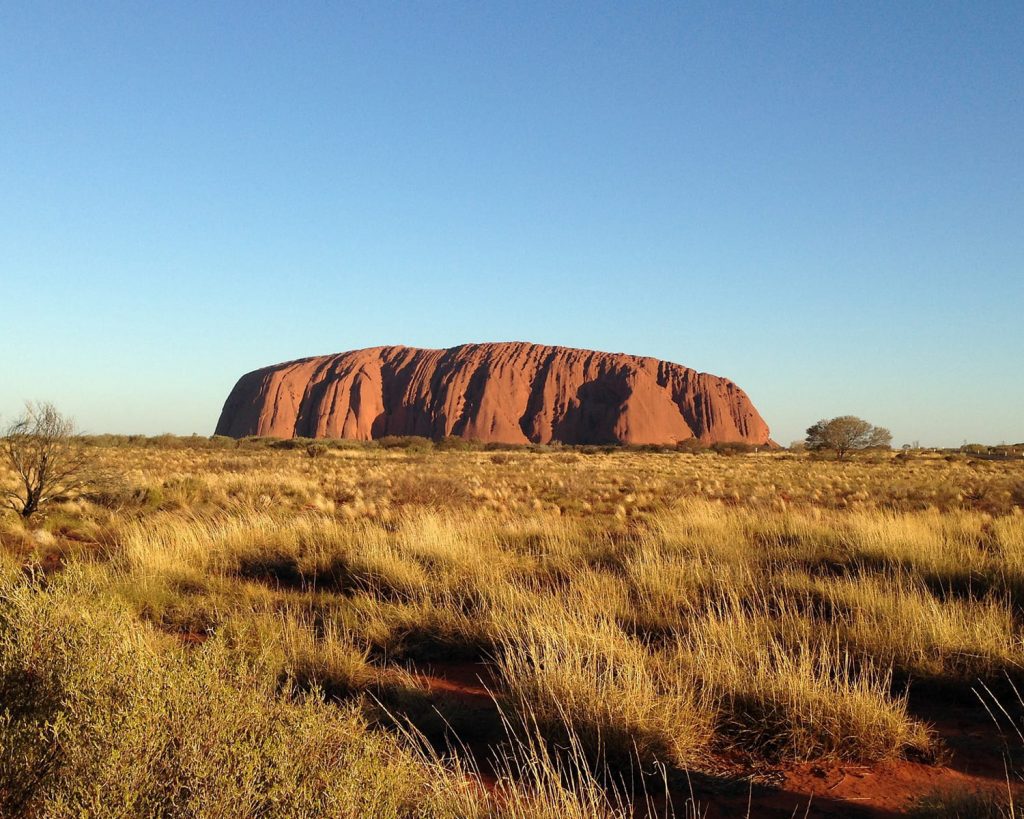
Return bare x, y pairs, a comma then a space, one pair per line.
823, 202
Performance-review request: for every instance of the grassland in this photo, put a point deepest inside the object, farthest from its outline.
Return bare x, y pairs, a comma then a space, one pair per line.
245, 630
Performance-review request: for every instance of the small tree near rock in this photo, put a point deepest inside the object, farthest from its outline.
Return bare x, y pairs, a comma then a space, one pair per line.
48, 459
846, 434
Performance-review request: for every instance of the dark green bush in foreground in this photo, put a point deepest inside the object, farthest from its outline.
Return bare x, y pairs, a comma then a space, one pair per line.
100, 718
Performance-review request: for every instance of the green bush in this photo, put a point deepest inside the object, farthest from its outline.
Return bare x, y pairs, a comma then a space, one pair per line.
454, 443
100, 718
412, 443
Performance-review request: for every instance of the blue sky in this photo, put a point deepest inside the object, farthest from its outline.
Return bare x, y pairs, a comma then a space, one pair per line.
823, 202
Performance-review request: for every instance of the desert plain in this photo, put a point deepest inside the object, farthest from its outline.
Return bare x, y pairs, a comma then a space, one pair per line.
268, 627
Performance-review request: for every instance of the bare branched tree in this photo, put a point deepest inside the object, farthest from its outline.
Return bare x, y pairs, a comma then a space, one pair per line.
48, 460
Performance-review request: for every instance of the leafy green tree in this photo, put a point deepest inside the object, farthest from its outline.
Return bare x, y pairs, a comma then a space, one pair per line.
846, 434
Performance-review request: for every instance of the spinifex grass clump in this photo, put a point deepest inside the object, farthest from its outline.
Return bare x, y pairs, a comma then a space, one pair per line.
741, 678
790, 690
607, 690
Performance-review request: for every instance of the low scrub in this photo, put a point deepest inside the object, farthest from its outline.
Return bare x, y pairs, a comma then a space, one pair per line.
245, 625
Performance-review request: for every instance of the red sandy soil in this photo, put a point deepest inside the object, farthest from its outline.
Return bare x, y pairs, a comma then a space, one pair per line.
975, 762
470, 685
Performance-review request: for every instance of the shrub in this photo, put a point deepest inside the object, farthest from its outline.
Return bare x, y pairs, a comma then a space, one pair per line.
95, 716
732, 448
412, 443
455, 443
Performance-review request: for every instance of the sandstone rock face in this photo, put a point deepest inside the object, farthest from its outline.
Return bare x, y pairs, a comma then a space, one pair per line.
509, 392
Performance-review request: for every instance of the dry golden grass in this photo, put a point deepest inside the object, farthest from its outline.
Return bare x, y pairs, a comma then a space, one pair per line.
634, 607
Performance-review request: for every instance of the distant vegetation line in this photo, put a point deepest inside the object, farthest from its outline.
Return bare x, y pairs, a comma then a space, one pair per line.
453, 443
